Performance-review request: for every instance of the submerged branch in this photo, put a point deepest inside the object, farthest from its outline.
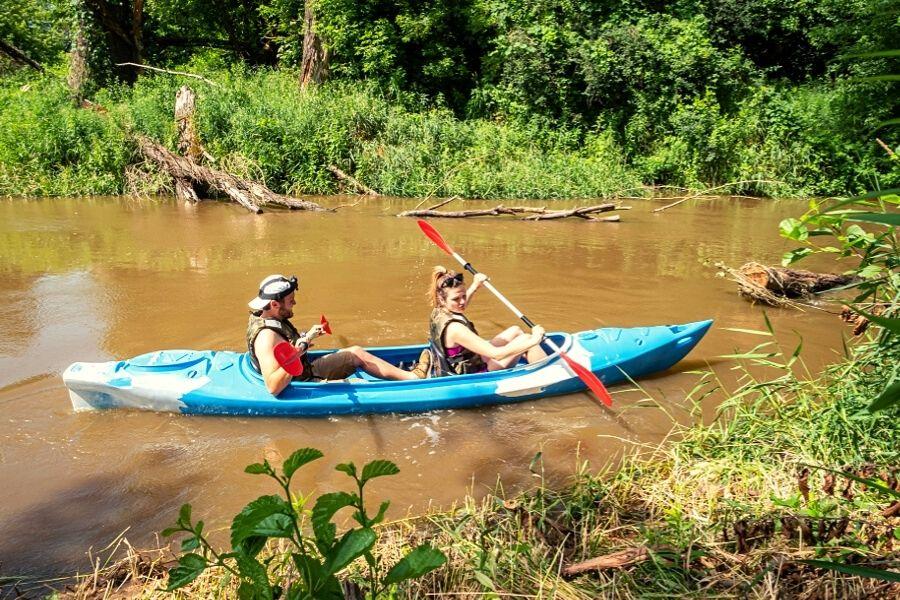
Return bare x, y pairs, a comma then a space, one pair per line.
536, 214
707, 191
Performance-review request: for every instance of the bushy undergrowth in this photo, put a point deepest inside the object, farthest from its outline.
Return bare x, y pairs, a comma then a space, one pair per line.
259, 123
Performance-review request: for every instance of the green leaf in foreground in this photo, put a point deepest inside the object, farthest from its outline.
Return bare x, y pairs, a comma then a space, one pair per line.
298, 459
891, 219
252, 570
420, 561
189, 568
859, 571
353, 545
378, 468
266, 516
887, 398
325, 507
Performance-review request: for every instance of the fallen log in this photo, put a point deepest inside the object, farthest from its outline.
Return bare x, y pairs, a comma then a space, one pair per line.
780, 287
249, 194
792, 283
534, 213
616, 560
357, 185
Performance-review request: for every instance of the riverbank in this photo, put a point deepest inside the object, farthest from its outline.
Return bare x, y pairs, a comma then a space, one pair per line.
259, 124
730, 508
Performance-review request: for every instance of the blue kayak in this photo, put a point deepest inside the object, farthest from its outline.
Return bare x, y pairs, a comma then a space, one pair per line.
224, 383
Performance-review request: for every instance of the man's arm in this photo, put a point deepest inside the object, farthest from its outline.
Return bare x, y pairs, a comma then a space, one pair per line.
274, 376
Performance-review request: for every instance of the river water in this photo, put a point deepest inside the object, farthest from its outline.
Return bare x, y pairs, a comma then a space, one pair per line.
91, 279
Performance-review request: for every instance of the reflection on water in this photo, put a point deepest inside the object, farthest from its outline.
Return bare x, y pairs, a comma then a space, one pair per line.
97, 278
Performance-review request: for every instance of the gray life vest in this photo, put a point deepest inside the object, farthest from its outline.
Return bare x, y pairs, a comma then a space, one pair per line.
465, 361
283, 328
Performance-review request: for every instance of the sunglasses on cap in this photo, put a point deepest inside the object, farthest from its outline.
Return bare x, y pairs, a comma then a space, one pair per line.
278, 289
452, 282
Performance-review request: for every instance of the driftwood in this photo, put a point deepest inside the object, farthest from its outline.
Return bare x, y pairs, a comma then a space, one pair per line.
249, 194
792, 283
616, 560
357, 185
780, 287
706, 192
534, 214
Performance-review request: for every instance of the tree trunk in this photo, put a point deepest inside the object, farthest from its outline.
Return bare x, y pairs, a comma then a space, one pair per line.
314, 68
188, 140
78, 65
121, 25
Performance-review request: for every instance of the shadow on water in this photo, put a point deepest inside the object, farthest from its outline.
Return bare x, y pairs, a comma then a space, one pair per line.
89, 515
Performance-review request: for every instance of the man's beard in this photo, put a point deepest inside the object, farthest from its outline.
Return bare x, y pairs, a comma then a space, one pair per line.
285, 313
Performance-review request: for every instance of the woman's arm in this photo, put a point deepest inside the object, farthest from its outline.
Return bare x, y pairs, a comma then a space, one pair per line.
477, 281
459, 334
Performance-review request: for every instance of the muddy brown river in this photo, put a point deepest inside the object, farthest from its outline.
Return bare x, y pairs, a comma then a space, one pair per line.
90, 279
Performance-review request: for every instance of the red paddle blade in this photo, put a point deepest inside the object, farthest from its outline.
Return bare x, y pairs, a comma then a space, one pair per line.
434, 236
289, 359
589, 379
325, 326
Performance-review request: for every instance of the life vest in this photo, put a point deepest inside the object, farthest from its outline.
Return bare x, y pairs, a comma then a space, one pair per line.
465, 361
283, 328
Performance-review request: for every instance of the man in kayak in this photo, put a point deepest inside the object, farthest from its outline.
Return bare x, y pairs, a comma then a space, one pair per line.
270, 325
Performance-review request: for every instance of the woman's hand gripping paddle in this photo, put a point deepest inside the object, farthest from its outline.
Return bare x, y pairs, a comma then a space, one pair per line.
589, 379
288, 356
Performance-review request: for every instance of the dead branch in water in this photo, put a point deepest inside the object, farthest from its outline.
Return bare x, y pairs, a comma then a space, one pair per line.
780, 287
249, 194
535, 214
357, 185
707, 191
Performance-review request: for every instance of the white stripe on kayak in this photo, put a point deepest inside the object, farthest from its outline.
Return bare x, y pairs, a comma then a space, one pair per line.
536, 382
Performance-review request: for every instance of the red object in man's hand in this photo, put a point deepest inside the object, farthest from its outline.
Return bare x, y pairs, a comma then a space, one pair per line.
325, 326
289, 358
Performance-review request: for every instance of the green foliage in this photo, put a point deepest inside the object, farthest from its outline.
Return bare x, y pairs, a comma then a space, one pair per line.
311, 565
48, 147
39, 29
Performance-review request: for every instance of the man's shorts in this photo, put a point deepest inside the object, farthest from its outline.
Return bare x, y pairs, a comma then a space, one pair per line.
336, 365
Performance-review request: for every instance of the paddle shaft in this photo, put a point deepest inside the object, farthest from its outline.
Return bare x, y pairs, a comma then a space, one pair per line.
468, 267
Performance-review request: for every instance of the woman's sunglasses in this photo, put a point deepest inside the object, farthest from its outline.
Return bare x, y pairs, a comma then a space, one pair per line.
452, 282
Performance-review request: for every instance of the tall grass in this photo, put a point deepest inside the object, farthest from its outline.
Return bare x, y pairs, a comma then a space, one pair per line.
262, 125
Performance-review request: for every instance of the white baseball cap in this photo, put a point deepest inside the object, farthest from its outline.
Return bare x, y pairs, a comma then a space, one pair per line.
273, 287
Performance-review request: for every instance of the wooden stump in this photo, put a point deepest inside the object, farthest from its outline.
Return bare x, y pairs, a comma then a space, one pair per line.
792, 283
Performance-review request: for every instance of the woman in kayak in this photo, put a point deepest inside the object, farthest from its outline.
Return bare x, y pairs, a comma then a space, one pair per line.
455, 343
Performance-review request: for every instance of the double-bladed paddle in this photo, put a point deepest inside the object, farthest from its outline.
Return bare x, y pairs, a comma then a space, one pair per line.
590, 380
288, 357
